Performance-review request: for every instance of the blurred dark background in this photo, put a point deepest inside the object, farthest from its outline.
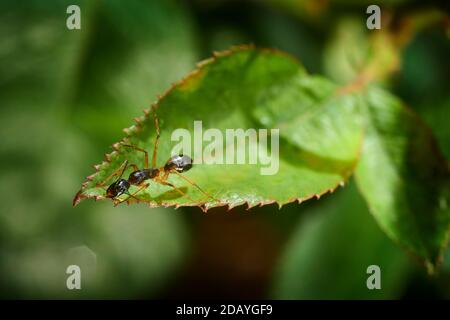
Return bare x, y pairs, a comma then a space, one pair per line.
66, 94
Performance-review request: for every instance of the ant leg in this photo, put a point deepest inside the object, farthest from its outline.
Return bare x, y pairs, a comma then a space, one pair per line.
135, 167
142, 150
124, 165
178, 190
132, 195
155, 149
195, 185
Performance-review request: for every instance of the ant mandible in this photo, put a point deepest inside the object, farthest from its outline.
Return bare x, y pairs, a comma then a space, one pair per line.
175, 165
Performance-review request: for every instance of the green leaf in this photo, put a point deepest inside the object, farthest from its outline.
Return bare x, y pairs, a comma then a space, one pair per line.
320, 135
330, 249
404, 177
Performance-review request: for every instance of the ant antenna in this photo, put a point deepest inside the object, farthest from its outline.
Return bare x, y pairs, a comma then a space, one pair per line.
195, 185
158, 134
132, 195
124, 168
124, 165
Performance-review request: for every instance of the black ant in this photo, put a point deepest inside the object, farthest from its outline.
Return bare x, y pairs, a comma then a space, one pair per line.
176, 164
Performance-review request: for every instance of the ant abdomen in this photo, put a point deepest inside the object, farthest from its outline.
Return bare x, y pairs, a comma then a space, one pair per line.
181, 163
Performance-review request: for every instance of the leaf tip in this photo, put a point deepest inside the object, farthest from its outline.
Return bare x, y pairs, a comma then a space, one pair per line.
115, 146
107, 157
76, 200
137, 120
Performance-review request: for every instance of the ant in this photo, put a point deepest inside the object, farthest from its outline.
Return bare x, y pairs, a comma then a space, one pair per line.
175, 165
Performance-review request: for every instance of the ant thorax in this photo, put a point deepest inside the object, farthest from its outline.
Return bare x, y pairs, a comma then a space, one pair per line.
139, 176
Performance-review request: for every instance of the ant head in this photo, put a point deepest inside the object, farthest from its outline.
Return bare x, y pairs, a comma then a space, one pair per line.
180, 163
117, 188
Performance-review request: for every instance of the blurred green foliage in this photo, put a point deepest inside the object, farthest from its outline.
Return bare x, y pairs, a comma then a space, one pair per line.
64, 95
329, 248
